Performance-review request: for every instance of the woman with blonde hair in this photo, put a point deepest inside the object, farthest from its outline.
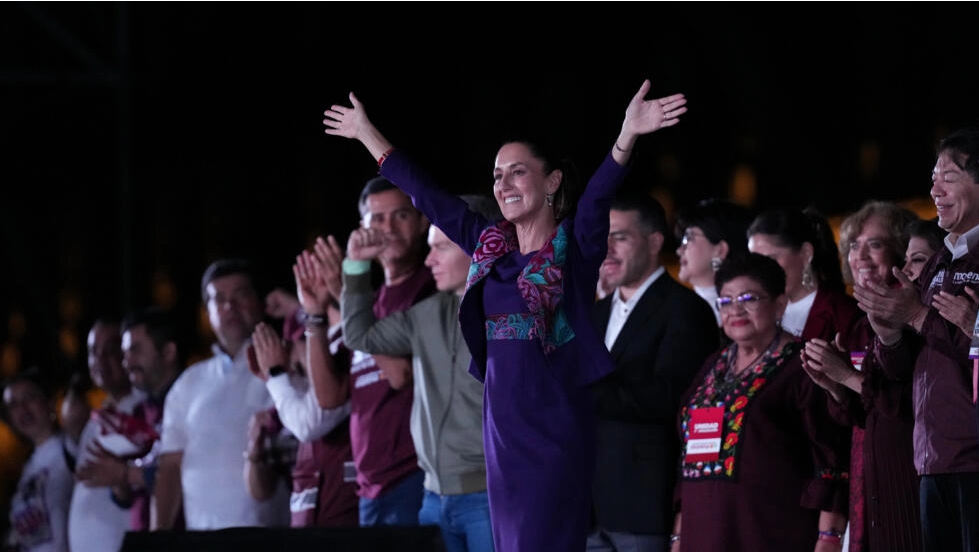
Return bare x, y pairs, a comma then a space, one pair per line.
884, 515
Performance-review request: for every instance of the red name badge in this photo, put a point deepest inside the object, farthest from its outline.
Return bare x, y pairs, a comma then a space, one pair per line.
705, 428
856, 358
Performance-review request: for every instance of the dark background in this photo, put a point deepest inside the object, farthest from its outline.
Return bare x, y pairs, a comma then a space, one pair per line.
141, 141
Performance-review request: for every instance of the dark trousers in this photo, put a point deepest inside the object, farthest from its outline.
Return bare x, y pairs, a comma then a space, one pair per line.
950, 512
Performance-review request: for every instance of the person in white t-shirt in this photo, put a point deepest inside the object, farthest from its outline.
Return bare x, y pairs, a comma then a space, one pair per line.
95, 522
39, 508
206, 414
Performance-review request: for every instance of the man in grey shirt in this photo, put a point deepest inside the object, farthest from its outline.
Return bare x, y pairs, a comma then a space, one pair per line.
446, 414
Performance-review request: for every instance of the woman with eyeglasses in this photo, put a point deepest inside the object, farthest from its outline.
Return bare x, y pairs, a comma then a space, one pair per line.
763, 466
709, 232
884, 514
802, 242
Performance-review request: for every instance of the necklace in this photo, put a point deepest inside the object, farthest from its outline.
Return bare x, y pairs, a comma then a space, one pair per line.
732, 374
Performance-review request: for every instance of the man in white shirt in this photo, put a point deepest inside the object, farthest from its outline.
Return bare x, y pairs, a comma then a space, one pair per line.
658, 333
206, 416
95, 522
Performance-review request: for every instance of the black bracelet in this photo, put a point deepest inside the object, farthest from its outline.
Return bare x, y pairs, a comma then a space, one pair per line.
276, 370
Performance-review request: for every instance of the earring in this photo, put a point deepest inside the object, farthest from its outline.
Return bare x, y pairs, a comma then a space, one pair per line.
807, 277
550, 198
715, 263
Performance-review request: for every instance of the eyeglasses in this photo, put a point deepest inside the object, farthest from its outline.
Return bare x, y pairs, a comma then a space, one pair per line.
688, 236
748, 301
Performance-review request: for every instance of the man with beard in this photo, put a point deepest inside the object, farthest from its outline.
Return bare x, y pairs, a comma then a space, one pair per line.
95, 523
658, 333
152, 359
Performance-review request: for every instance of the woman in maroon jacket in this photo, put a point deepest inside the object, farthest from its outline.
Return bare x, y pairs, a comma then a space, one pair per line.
883, 481
802, 242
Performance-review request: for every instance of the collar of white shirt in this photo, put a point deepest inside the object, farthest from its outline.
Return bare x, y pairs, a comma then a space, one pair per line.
963, 243
631, 303
621, 308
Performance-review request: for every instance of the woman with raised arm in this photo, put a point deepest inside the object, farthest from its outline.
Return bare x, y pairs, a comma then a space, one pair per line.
525, 315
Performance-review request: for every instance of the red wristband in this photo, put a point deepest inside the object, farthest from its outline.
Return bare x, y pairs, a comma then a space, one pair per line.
384, 156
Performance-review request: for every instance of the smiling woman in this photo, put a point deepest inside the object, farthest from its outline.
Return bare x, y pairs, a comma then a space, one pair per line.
883, 482
526, 313
755, 432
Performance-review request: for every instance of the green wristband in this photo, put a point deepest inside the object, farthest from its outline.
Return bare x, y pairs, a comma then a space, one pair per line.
356, 267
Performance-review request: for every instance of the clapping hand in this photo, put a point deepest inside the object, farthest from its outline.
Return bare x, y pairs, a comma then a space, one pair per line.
269, 349
824, 364
889, 307
314, 291
330, 258
960, 310
102, 470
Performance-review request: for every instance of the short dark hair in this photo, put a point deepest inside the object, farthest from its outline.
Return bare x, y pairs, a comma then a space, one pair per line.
374, 185
719, 219
230, 266
30, 375
761, 268
929, 230
963, 143
652, 216
159, 323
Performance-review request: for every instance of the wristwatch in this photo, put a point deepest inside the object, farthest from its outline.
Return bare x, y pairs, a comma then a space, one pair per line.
276, 370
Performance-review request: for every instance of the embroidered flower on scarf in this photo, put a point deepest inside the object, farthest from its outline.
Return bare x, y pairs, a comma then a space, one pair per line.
736, 396
541, 283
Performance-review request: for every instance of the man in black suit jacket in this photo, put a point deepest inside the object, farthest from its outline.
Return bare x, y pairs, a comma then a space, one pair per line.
659, 333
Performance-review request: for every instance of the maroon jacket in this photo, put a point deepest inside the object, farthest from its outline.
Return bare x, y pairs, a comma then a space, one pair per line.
944, 415
321, 497
832, 312
884, 515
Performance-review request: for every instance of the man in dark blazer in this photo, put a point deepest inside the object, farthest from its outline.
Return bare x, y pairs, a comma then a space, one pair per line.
658, 333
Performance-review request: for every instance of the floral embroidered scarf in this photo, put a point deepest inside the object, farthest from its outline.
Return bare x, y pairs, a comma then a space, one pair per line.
540, 282
733, 396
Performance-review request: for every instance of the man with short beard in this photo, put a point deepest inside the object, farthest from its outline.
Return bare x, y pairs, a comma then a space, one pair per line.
658, 333
95, 523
